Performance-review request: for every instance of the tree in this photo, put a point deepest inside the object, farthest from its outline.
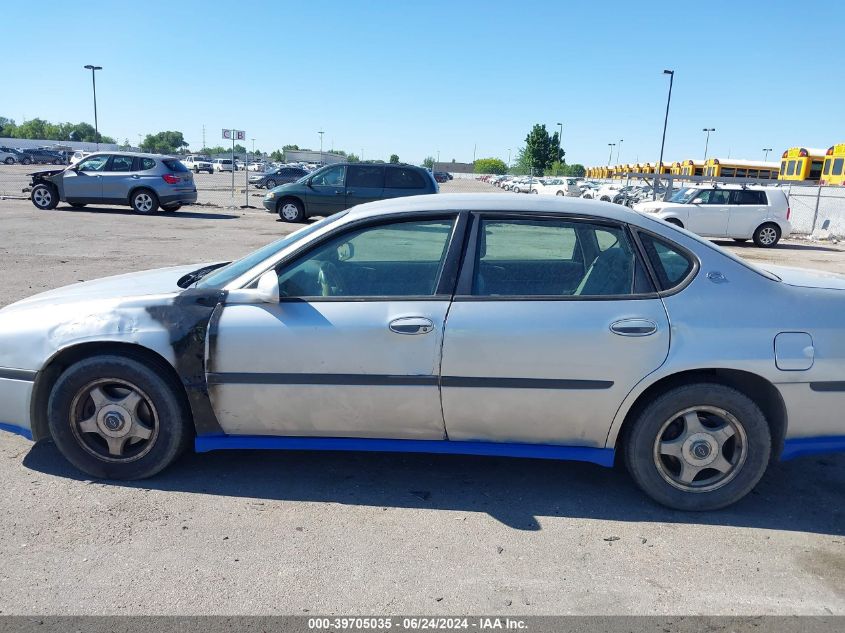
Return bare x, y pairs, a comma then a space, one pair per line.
428, 162
490, 166
277, 156
577, 170
353, 158
394, 158
290, 147
541, 150
164, 143
7, 127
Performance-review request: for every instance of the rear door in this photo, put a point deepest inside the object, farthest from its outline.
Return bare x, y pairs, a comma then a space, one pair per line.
364, 183
748, 209
118, 178
553, 323
709, 213
85, 182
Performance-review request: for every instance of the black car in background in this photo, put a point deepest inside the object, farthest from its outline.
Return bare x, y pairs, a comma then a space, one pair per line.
442, 176
276, 177
45, 156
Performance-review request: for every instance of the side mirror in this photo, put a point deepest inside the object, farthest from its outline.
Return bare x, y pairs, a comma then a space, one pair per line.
696, 201
266, 291
308, 182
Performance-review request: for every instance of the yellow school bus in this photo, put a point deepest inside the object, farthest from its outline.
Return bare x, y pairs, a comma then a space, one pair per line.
665, 169
801, 163
691, 167
833, 172
675, 169
645, 168
736, 168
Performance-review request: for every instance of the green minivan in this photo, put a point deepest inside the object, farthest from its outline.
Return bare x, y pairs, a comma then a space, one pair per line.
337, 187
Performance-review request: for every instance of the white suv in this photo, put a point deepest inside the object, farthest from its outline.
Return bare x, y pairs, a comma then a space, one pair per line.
735, 211
222, 164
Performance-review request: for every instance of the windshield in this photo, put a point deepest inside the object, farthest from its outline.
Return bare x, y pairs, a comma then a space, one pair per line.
683, 195
230, 272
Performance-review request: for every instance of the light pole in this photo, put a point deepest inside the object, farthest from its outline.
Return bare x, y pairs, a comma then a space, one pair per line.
619, 150
509, 159
707, 141
610, 157
321, 147
671, 74
93, 69
559, 140
766, 151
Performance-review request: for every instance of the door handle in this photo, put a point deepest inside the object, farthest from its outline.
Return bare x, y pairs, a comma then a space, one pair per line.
411, 325
633, 327
338, 193
135, 176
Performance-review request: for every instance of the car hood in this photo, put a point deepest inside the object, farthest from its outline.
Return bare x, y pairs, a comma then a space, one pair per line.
46, 172
148, 282
807, 278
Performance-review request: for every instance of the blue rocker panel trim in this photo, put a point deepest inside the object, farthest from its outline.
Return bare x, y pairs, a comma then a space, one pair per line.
17, 430
800, 446
600, 456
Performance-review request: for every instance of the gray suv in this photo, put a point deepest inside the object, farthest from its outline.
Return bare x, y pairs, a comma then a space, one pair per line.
143, 181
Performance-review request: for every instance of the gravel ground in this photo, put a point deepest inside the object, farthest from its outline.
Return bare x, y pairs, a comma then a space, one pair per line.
304, 533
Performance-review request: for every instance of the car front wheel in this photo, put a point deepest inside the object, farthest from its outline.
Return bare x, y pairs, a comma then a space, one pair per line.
9, 161
701, 446
144, 201
117, 418
767, 235
291, 211
44, 197
270, 184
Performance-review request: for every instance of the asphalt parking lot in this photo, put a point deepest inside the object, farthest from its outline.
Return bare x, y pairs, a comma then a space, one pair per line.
300, 533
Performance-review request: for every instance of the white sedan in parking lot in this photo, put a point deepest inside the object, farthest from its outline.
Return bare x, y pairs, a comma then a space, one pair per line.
557, 345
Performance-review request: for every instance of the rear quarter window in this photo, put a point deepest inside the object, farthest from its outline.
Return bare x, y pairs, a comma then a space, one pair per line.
671, 265
172, 164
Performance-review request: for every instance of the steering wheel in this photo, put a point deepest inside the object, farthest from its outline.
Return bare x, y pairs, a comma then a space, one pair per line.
329, 280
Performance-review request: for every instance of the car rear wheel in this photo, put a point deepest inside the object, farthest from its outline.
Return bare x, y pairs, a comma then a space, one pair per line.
558, 193
702, 446
767, 235
270, 184
9, 161
26, 161
44, 196
291, 211
117, 418
144, 201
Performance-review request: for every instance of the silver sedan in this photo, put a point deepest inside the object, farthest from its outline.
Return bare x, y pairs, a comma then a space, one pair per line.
536, 327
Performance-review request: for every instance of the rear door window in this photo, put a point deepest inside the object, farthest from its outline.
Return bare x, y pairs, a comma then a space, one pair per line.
403, 178
121, 163
174, 165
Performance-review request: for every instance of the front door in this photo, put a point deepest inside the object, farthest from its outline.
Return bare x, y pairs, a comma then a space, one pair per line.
364, 183
709, 212
353, 347
85, 182
553, 324
327, 191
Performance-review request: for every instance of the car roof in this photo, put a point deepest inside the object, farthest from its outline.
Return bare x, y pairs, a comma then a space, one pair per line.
141, 154
496, 202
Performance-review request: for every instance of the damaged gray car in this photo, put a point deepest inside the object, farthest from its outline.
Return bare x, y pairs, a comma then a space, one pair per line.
145, 182
541, 327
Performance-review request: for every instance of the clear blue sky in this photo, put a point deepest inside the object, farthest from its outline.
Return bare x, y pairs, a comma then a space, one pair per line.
417, 77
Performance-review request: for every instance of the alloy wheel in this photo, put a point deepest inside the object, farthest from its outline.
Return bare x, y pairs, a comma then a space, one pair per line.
114, 420
42, 197
700, 449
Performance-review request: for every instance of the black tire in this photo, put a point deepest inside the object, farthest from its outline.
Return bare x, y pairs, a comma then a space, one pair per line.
171, 208
559, 193
749, 447
270, 184
9, 161
26, 161
143, 201
741, 240
44, 196
767, 235
166, 416
196, 170
286, 211
676, 222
